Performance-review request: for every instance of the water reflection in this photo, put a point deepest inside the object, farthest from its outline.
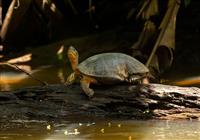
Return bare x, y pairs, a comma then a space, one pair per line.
188, 76
112, 130
188, 81
12, 79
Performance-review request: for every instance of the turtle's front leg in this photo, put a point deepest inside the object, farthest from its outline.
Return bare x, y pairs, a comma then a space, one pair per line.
85, 84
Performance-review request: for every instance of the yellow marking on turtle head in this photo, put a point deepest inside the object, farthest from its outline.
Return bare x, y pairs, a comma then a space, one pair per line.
73, 57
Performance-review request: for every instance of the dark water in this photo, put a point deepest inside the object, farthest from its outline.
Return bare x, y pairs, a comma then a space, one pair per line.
102, 130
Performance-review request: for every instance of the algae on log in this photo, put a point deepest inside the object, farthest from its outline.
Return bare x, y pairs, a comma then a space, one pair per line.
58, 102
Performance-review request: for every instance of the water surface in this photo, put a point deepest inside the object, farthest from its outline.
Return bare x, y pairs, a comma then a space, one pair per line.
102, 130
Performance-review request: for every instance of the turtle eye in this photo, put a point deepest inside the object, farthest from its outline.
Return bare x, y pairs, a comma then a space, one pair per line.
72, 51
134, 79
131, 79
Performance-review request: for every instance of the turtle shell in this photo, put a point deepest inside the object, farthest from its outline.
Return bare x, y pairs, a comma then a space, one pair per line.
112, 67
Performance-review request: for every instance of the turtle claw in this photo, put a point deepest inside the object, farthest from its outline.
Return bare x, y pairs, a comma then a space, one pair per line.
67, 83
89, 93
86, 87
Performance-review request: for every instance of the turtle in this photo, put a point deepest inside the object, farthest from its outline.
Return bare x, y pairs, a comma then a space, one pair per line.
105, 68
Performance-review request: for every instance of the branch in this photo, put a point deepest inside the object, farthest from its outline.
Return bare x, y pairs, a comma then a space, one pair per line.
17, 68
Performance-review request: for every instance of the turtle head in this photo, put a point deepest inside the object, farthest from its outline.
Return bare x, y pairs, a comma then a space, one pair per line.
73, 57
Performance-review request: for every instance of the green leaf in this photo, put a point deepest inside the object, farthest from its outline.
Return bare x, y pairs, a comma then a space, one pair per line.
60, 53
60, 56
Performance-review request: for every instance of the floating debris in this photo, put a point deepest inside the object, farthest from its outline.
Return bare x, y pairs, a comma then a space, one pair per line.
80, 124
119, 125
76, 132
89, 124
109, 124
48, 127
66, 132
102, 130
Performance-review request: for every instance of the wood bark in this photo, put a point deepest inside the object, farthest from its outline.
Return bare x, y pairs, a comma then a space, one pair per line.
59, 102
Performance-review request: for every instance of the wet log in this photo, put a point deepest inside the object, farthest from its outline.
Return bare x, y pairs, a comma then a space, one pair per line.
59, 102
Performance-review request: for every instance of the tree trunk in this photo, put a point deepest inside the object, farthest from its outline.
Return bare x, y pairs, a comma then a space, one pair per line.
59, 102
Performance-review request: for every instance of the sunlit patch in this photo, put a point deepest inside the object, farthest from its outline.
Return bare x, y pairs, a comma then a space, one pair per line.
26, 68
129, 137
90, 124
8, 78
17, 4
188, 81
102, 130
119, 125
48, 127
21, 59
1, 16
60, 50
66, 132
44, 2
53, 7
80, 124
1, 47
75, 132
60, 53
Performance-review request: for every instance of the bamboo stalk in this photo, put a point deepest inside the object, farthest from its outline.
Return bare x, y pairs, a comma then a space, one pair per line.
7, 20
162, 32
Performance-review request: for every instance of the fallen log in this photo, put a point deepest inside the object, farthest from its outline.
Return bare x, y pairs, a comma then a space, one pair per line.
59, 102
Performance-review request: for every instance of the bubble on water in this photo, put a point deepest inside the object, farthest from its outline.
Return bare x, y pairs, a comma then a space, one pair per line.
48, 127
80, 124
119, 125
66, 132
